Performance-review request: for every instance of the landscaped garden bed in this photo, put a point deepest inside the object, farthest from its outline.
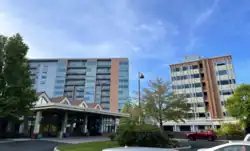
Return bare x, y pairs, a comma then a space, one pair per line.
131, 135
90, 146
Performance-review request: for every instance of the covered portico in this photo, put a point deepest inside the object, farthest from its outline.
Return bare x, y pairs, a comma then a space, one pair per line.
60, 117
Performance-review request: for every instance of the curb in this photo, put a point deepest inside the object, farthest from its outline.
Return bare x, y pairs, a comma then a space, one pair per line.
14, 140
180, 148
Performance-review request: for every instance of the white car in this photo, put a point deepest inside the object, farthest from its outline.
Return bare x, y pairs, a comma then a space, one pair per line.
232, 146
138, 149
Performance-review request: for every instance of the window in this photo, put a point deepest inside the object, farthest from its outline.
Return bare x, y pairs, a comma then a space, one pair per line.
226, 92
176, 69
234, 148
61, 70
199, 104
197, 85
44, 77
42, 82
199, 94
222, 72
195, 76
59, 81
123, 62
225, 82
221, 63
194, 67
89, 70
91, 63
59, 87
184, 68
123, 86
123, 80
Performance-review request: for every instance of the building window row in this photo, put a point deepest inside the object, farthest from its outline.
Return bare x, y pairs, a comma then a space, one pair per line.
123, 62
185, 86
123, 86
190, 95
222, 63
185, 77
226, 92
224, 72
225, 82
198, 104
184, 68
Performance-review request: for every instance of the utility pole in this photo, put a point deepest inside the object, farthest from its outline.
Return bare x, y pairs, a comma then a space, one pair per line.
140, 76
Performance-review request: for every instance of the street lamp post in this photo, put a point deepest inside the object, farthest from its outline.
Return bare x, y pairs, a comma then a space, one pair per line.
140, 76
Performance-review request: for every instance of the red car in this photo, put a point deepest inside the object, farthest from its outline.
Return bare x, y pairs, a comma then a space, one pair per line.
209, 135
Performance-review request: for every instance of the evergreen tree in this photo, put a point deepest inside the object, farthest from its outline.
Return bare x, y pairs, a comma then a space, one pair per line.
17, 92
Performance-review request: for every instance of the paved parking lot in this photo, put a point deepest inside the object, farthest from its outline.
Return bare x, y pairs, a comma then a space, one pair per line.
32, 145
43, 145
202, 144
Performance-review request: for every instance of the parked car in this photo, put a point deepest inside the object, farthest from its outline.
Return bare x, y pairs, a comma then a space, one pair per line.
233, 146
138, 149
209, 135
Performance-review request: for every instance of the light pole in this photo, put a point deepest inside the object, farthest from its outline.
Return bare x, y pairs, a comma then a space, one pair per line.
140, 76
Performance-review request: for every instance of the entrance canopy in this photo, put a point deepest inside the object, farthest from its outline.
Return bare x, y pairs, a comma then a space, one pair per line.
62, 103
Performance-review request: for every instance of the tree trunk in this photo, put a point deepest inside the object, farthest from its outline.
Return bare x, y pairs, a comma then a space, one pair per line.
161, 125
26, 126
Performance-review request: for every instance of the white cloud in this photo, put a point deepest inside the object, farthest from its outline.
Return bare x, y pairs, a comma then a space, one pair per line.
96, 29
194, 40
106, 28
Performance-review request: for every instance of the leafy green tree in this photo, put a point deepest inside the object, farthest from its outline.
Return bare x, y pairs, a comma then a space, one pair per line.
238, 105
163, 105
17, 93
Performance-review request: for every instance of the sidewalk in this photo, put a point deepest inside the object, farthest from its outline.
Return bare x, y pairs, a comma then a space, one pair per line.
14, 140
186, 140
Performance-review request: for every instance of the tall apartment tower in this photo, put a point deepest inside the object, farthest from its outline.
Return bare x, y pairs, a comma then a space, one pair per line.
105, 81
206, 82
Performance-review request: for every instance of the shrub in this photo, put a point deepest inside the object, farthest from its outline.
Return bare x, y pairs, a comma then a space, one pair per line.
230, 129
142, 135
112, 136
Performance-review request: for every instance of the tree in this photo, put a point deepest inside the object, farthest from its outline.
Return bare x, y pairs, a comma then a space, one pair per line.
163, 105
18, 95
238, 105
132, 109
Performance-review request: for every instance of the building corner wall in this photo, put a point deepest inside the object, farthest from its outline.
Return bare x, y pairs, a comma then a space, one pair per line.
114, 85
213, 96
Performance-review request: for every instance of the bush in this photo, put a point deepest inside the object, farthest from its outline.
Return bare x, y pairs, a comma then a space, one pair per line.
142, 135
230, 129
112, 136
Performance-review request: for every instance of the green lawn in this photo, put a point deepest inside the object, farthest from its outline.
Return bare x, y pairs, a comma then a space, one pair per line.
91, 146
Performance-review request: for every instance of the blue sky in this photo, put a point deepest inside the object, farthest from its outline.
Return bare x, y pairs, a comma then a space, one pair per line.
151, 33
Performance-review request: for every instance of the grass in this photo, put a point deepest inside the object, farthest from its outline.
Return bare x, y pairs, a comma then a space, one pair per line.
90, 146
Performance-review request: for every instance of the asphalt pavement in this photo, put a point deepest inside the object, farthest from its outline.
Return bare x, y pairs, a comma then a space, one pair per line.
32, 145
42, 145
195, 145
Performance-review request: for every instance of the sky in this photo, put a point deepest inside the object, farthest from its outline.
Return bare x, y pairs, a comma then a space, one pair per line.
151, 33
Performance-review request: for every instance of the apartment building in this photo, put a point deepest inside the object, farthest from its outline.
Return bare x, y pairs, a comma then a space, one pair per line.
102, 80
207, 83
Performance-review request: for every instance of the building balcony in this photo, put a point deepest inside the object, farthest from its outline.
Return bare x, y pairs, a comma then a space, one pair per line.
76, 73
75, 84
77, 67
73, 77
